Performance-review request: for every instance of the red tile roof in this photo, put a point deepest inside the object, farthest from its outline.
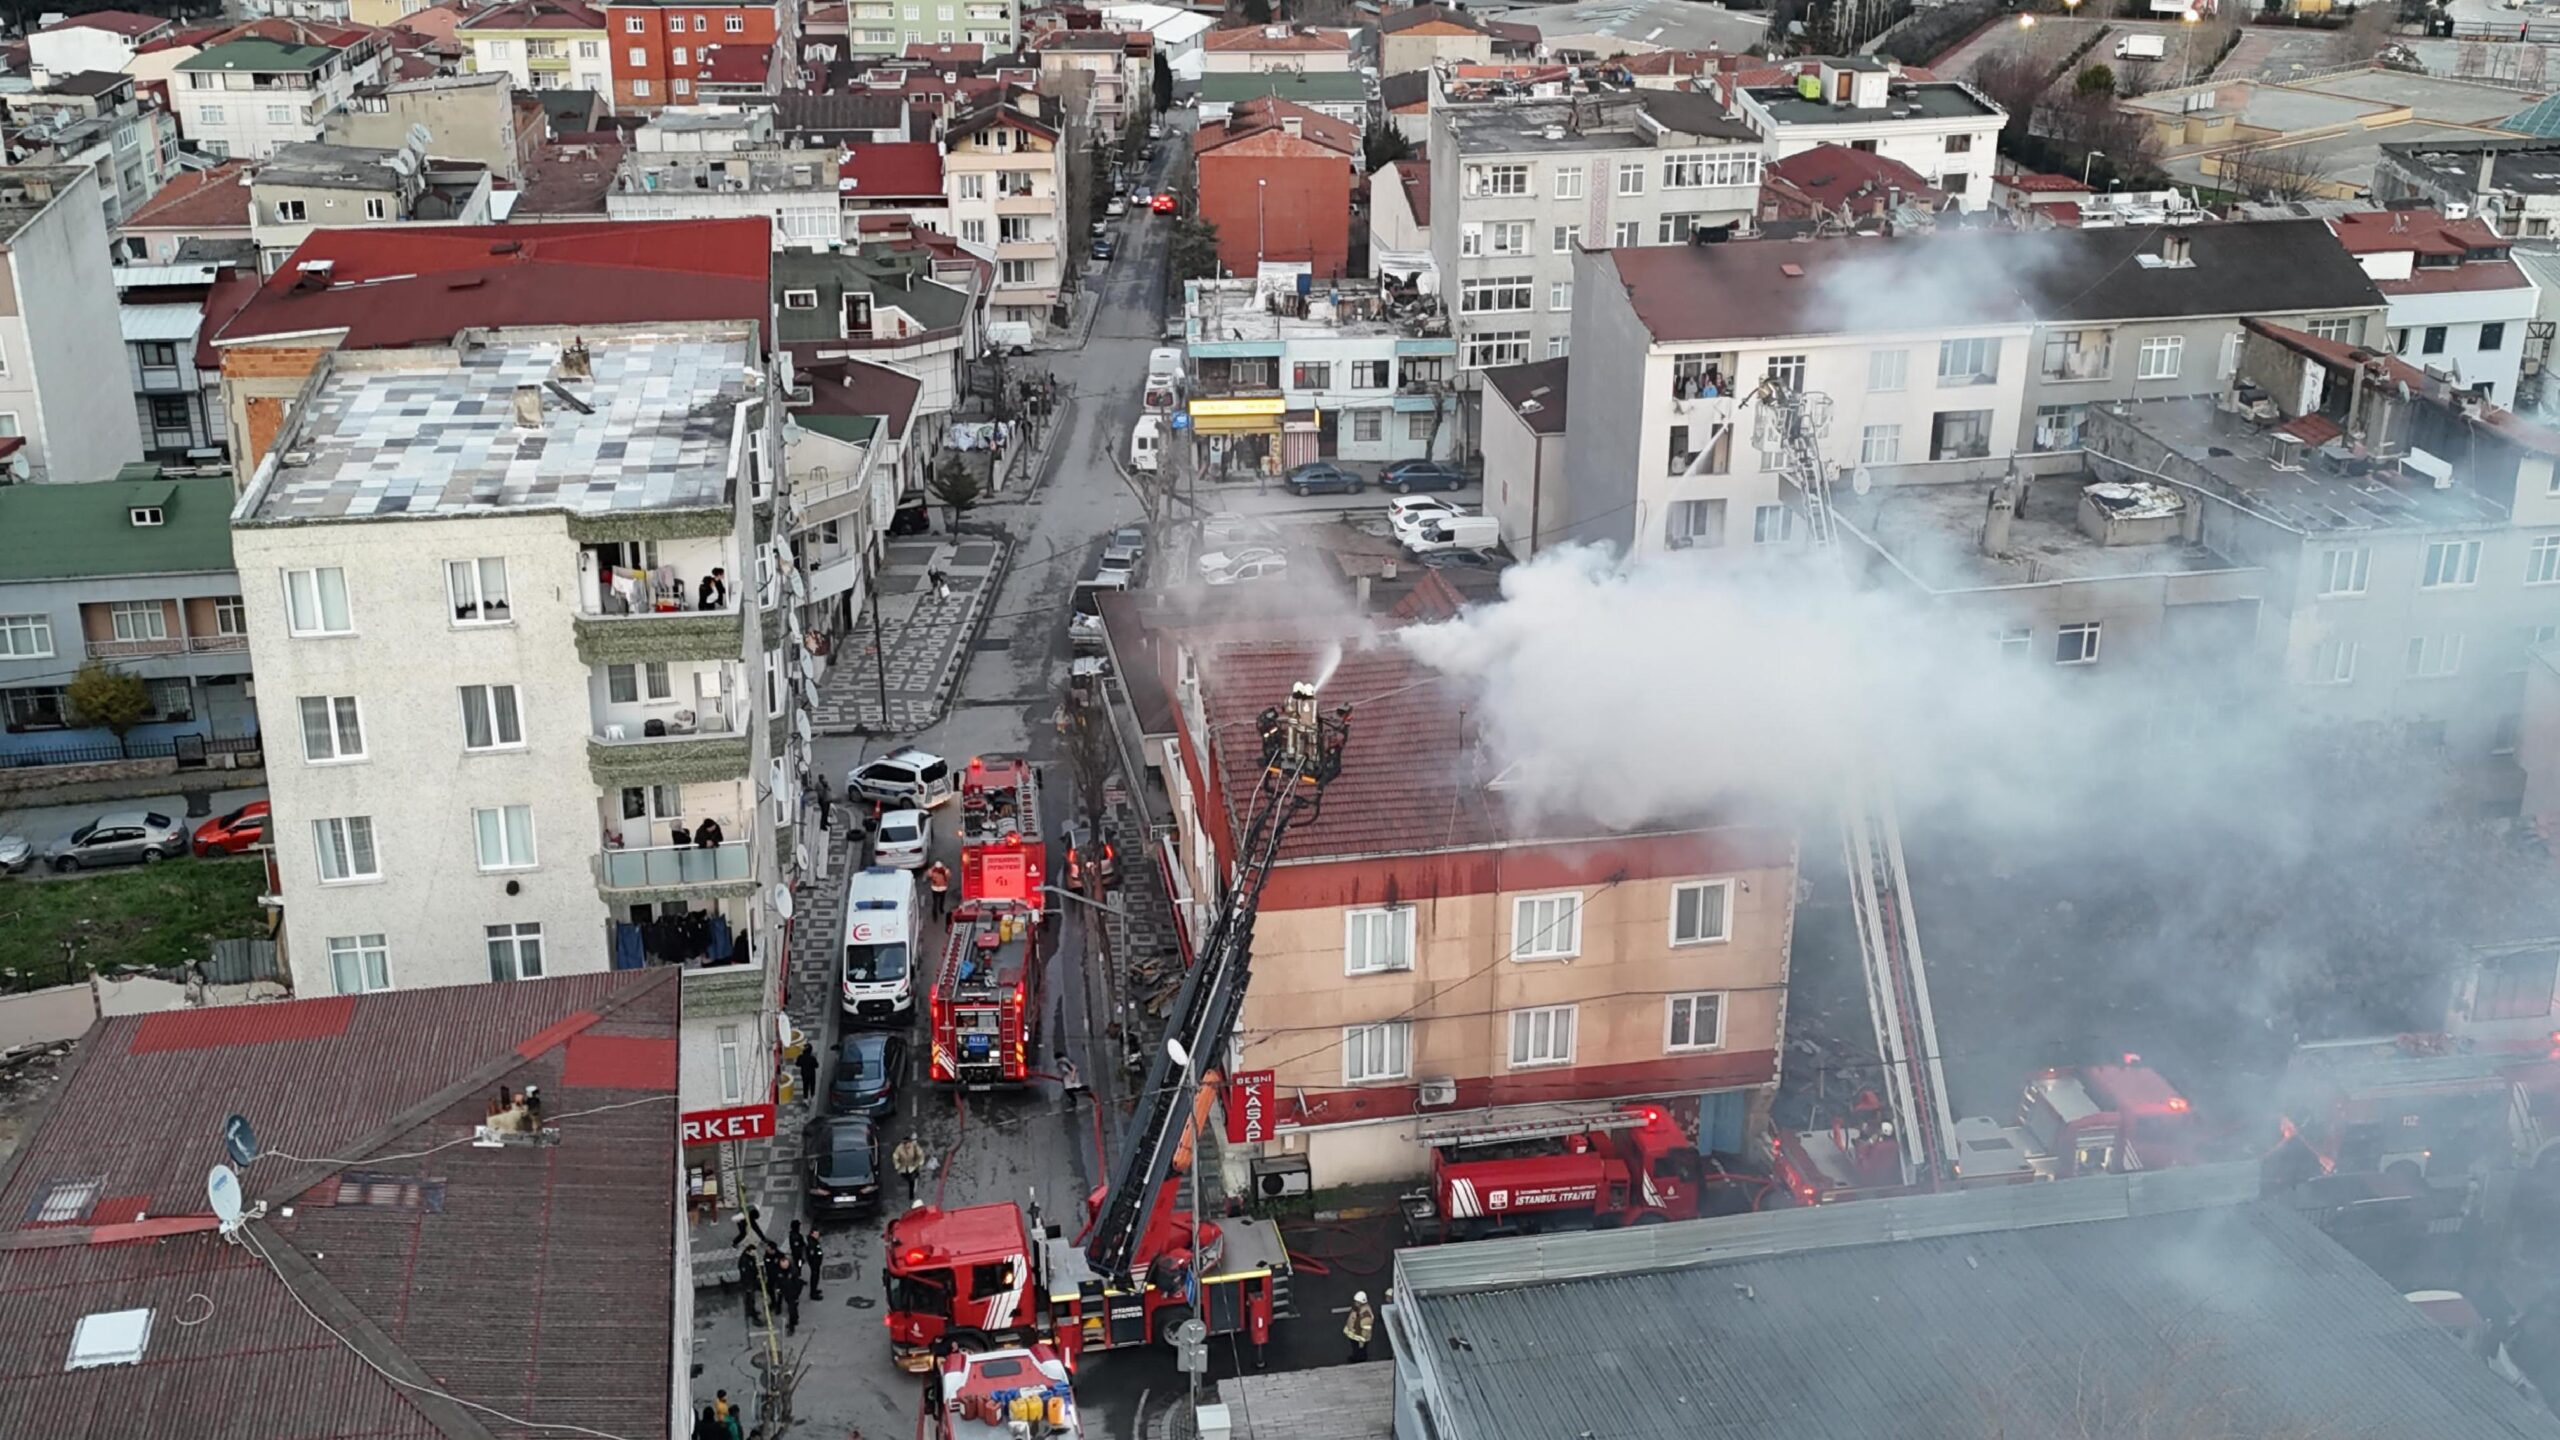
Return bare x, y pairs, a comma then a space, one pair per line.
845, 386
197, 199
2426, 232
231, 289
569, 178
557, 1261
1840, 179
2034, 183
739, 64
535, 15
122, 22
1262, 117
948, 54
906, 169
1244, 38
195, 36
418, 285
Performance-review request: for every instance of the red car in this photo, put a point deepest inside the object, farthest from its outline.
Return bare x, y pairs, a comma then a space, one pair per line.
1161, 204
234, 833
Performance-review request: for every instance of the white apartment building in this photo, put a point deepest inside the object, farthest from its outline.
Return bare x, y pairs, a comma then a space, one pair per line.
66, 403
503, 703
2459, 305
1005, 175
102, 41
888, 27
718, 163
1944, 129
1337, 375
1661, 454
247, 96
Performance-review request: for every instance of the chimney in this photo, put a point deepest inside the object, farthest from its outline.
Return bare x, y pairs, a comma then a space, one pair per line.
1291, 125
2488, 164
2174, 249
576, 363
1997, 511
529, 407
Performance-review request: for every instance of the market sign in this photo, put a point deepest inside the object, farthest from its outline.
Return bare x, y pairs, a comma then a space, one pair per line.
739, 1122
1253, 1105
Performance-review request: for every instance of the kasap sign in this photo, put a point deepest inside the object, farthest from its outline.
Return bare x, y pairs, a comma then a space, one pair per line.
712, 1127
1253, 1105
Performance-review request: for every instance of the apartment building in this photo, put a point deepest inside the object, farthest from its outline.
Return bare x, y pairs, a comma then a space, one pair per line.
271, 83
890, 185
887, 27
1527, 417
1119, 67
857, 452
66, 412
99, 41
540, 44
889, 304
307, 187
2511, 184
96, 120
1006, 176
1946, 130
1343, 371
134, 575
655, 46
717, 163
1418, 37
177, 398
1425, 953
509, 617
1255, 49
193, 209
1276, 179
2459, 303
1518, 188
1400, 217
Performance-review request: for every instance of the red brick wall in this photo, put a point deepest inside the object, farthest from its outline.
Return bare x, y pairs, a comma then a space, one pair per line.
659, 38
1305, 209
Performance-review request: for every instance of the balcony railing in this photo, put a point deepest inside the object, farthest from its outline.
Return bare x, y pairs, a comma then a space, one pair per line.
674, 867
659, 635
207, 644
111, 649
637, 758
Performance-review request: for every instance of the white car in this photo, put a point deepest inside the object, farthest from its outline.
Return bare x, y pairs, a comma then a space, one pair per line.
902, 840
1222, 567
906, 776
1406, 513
1116, 207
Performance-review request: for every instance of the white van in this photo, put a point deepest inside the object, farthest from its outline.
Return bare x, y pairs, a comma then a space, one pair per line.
1164, 379
2143, 47
1146, 444
1455, 532
880, 935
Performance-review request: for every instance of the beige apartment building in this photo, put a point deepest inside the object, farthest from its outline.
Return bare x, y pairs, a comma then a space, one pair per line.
1006, 178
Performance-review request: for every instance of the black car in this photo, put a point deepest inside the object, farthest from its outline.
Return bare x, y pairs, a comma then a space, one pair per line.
1323, 477
911, 520
1102, 247
1407, 475
866, 1078
844, 1165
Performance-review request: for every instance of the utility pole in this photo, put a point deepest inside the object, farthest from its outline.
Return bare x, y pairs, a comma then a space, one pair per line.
879, 656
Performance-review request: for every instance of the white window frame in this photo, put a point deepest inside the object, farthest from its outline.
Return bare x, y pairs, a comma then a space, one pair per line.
485, 699
515, 938
26, 637
2450, 565
315, 622
366, 956
471, 583
1888, 371
2447, 650
1568, 183
1880, 445
1392, 1038
1724, 913
733, 1063
1673, 1007
2161, 357
1536, 935
1561, 1023
341, 722
495, 841
1626, 234
2016, 642
1565, 238
2333, 662
2542, 561
2344, 570
334, 839
1630, 177
131, 621
1398, 922
2091, 632
1973, 360
1507, 237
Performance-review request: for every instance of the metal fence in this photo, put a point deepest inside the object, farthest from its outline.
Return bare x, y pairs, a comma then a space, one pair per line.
184, 748
237, 962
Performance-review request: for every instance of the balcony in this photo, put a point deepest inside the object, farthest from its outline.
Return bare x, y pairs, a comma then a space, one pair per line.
628, 876
620, 755
1026, 250
1026, 203
659, 635
126, 649
724, 989
216, 644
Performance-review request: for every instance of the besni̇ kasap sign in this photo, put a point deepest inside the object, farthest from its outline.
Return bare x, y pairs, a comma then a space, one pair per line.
1253, 1105
739, 1122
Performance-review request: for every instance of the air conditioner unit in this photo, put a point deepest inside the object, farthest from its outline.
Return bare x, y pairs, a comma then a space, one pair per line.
1282, 1175
1437, 1091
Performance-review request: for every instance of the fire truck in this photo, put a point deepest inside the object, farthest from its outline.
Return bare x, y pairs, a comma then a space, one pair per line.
1144, 1262
987, 999
1636, 1167
2422, 1106
1023, 1393
1002, 857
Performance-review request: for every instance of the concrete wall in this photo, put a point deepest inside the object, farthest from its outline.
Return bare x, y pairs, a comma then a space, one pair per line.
1278, 207
468, 122
66, 374
2208, 349
1524, 479
2461, 313
2538, 742
1597, 503
1416, 49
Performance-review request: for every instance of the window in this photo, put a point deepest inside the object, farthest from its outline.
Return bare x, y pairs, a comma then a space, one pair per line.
25, 637
1960, 435
358, 964
2493, 335
2434, 657
1368, 427
679, 56
1376, 1052
1702, 912
1627, 234
515, 952
2076, 644
1969, 362
289, 210
209, 114
1546, 927
651, 802
590, 49
139, 620
799, 299
1496, 294
624, 684
2332, 327
315, 602
974, 231
1543, 1036
1496, 347
737, 24
330, 729
1630, 177
1558, 346
733, 1066
2161, 358
2542, 562
1569, 185
640, 89
1880, 445
1676, 229
1311, 375
1497, 179
1694, 524
1787, 370
147, 517
1695, 1022
478, 589
279, 114
36, 707
1886, 370
972, 187
1955, 182
2343, 570
1510, 237
506, 837
1374, 941
632, 26
1959, 144
1471, 239
2451, 563
489, 719
168, 412
1683, 172
375, 208
346, 849
2016, 642
2058, 426
1370, 374
1566, 237
173, 698
157, 354
2079, 354
2431, 341
1418, 427
2515, 987
2334, 662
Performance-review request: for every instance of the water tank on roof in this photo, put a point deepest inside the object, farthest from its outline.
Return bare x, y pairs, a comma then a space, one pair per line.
1808, 87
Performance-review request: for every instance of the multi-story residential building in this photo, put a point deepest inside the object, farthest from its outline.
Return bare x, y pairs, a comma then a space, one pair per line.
705, 163
1945, 130
302, 188
271, 83
1006, 175
888, 27
1339, 93
1119, 66
101, 40
529, 701
177, 400
474, 118
1661, 454
654, 46
889, 305
194, 207
1247, 49
1282, 378
1526, 420
1276, 180
890, 185
855, 455
540, 44
2459, 305
2513, 184
135, 575
95, 119
1418, 37
1400, 217
1517, 188
1423, 946
66, 412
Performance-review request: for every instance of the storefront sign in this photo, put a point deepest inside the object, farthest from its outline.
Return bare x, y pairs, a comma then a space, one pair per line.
740, 1122
1253, 1105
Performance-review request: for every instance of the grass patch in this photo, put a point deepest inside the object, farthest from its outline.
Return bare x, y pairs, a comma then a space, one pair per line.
146, 916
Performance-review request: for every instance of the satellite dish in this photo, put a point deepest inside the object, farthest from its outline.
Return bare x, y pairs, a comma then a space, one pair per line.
1860, 481
782, 901
420, 137
240, 1140
222, 1188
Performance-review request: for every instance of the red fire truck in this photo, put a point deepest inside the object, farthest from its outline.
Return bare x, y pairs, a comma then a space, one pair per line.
2421, 1106
987, 999
1016, 1394
1633, 1168
1002, 856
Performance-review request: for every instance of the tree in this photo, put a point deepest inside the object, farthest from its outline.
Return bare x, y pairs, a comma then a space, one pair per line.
2016, 82
110, 700
2367, 31
1164, 83
1256, 12
2096, 80
1383, 144
1193, 250
955, 486
2273, 172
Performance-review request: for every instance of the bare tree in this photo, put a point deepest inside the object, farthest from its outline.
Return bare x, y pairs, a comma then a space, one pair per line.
2367, 31
2273, 172
2138, 77
2094, 121
2016, 81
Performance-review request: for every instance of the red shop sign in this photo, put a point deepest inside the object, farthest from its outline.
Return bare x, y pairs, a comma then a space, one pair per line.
709, 1127
1253, 1105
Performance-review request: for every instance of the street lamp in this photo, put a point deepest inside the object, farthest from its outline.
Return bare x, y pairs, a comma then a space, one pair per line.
2084, 167
2026, 22
2187, 47
1260, 191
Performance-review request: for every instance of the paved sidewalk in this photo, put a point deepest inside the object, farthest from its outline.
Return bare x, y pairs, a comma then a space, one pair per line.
928, 638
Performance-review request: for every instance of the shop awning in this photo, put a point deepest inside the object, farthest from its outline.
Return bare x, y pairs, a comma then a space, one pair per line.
1241, 415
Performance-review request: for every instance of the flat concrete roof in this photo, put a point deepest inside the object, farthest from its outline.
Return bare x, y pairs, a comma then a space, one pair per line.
1935, 532
1512, 129
2432, 97
2346, 158
2311, 499
1926, 100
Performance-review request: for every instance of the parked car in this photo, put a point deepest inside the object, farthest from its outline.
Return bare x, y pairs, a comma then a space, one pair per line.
1406, 513
1220, 567
844, 1165
1119, 560
1407, 475
16, 854
1102, 248
1083, 849
233, 833
127, 837
905, 776
1084, 618
868, 1066
1101, 228
1115, 207
1161, 204
902, 839
1323, 477
910, 520
1127, 537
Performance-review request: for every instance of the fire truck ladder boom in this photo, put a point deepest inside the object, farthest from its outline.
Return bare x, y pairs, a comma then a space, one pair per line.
1301, 753
1512, 1134
1897, 978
